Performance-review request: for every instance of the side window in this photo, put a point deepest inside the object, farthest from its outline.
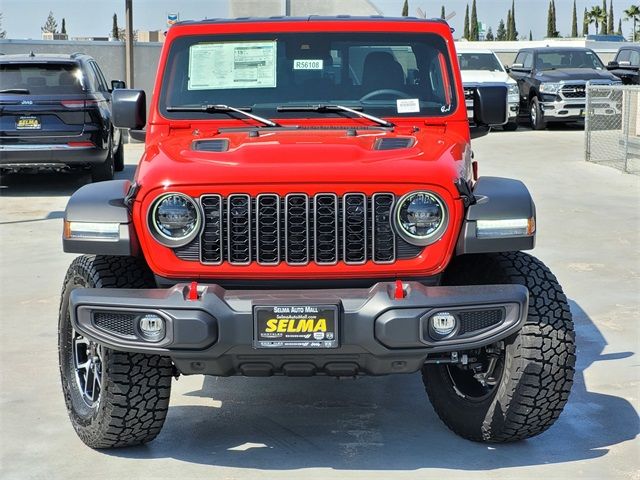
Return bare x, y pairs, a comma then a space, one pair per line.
624, 56
634, 58
101, 84
528, 60
520, 58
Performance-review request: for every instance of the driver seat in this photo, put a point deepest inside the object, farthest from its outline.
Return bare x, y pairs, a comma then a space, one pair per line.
381, 70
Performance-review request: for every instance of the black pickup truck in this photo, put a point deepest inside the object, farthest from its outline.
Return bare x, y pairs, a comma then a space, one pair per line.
553, 81
626, 65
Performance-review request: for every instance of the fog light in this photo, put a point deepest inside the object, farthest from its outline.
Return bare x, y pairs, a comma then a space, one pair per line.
443, 323
152, 327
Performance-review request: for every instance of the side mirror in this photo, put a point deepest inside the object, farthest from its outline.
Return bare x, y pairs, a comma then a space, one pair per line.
613, 65
129, 108
507, 68
490, 108
117, 84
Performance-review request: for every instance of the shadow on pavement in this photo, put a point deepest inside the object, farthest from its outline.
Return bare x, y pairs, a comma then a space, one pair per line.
383, 423
50, 184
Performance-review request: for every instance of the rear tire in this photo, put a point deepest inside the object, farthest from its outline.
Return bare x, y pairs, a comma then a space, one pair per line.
118, 157
534, 372
536, 115
128, 403
105, 170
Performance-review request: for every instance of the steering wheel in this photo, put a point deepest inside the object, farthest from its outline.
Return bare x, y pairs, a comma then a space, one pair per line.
385, 91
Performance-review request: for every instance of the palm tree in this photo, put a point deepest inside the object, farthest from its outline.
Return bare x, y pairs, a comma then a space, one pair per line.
597, 16
633, 13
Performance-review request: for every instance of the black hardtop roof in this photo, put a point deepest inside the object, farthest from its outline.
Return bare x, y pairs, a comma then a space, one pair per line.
43, 57
309, 18
633, 46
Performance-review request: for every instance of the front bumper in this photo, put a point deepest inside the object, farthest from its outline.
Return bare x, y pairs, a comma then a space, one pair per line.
514, 110
379, 331
563, 110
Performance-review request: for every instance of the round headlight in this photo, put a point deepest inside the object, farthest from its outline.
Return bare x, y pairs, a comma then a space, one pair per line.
174, 219
420, 218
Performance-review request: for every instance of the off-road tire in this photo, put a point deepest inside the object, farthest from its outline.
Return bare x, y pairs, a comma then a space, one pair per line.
536, 115
118, 157
134, 398
104, 171
538, 363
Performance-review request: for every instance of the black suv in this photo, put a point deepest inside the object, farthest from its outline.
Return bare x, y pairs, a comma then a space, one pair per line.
553, 81
626, 65
55, 113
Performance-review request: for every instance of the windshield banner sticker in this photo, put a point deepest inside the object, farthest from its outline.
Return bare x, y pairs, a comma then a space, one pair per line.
229, 65
408, 105
308, 64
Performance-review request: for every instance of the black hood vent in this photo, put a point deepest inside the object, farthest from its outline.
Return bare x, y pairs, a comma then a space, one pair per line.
393, 143
216, 145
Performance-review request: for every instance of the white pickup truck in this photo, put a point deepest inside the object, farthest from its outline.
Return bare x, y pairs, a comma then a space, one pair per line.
483, 66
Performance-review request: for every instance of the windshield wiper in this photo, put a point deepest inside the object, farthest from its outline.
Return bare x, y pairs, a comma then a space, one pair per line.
223, 109
324, 107
15, 90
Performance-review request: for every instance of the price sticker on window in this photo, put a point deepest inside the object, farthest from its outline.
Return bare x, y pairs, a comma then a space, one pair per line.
308, 64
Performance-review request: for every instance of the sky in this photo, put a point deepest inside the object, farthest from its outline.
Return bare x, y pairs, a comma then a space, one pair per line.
23, 18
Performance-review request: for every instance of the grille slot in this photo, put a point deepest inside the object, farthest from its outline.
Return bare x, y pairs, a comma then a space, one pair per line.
573, 91
118, 323
326, 228
297, 229
384, 238
354, 211
239, 229
471, 321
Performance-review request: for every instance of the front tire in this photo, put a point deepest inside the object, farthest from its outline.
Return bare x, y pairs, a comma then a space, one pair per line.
114, 399
533, 370
104, 171
511, 126
536, 115
118, 157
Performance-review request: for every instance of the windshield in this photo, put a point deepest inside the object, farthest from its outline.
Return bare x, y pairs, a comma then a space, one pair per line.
568, 59
40, 79
390, 74
479, 61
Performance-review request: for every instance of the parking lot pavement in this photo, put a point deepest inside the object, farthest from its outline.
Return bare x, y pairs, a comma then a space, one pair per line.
319, 428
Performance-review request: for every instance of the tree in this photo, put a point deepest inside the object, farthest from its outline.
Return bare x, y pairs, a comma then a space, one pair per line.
405, 8
122, 35
633, 13
63, 29
604, 22
443, 15
501, 32
3, 33
466, 23
552, 30
574, 21
610, 19
596, 16
619, 32
115, 31
530, 36
50, 26
512, 27
585, 23
489, 36
473, 30
509, 33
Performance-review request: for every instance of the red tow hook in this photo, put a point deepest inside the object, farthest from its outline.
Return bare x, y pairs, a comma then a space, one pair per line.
399, 292
193, 291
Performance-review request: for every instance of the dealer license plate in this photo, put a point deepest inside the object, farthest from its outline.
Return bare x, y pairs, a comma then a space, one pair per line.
296, 326
28, 123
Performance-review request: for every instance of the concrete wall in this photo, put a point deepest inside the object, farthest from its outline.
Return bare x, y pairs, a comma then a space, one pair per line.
109, 55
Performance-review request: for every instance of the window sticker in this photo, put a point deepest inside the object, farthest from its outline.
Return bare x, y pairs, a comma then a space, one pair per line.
227, 65
308, 64
408, 105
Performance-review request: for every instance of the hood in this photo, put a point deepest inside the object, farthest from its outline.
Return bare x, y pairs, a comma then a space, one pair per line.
320, 155
485, 76
573, 74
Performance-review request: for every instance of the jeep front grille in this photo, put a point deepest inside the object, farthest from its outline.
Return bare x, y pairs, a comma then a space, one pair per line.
297, 229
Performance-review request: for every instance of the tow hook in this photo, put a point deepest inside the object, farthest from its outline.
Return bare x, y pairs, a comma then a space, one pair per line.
493, 353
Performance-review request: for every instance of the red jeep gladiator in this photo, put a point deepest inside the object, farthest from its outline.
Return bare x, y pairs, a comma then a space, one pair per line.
307, 204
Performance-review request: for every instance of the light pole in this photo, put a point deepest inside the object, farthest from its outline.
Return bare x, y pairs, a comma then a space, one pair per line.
128, 43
